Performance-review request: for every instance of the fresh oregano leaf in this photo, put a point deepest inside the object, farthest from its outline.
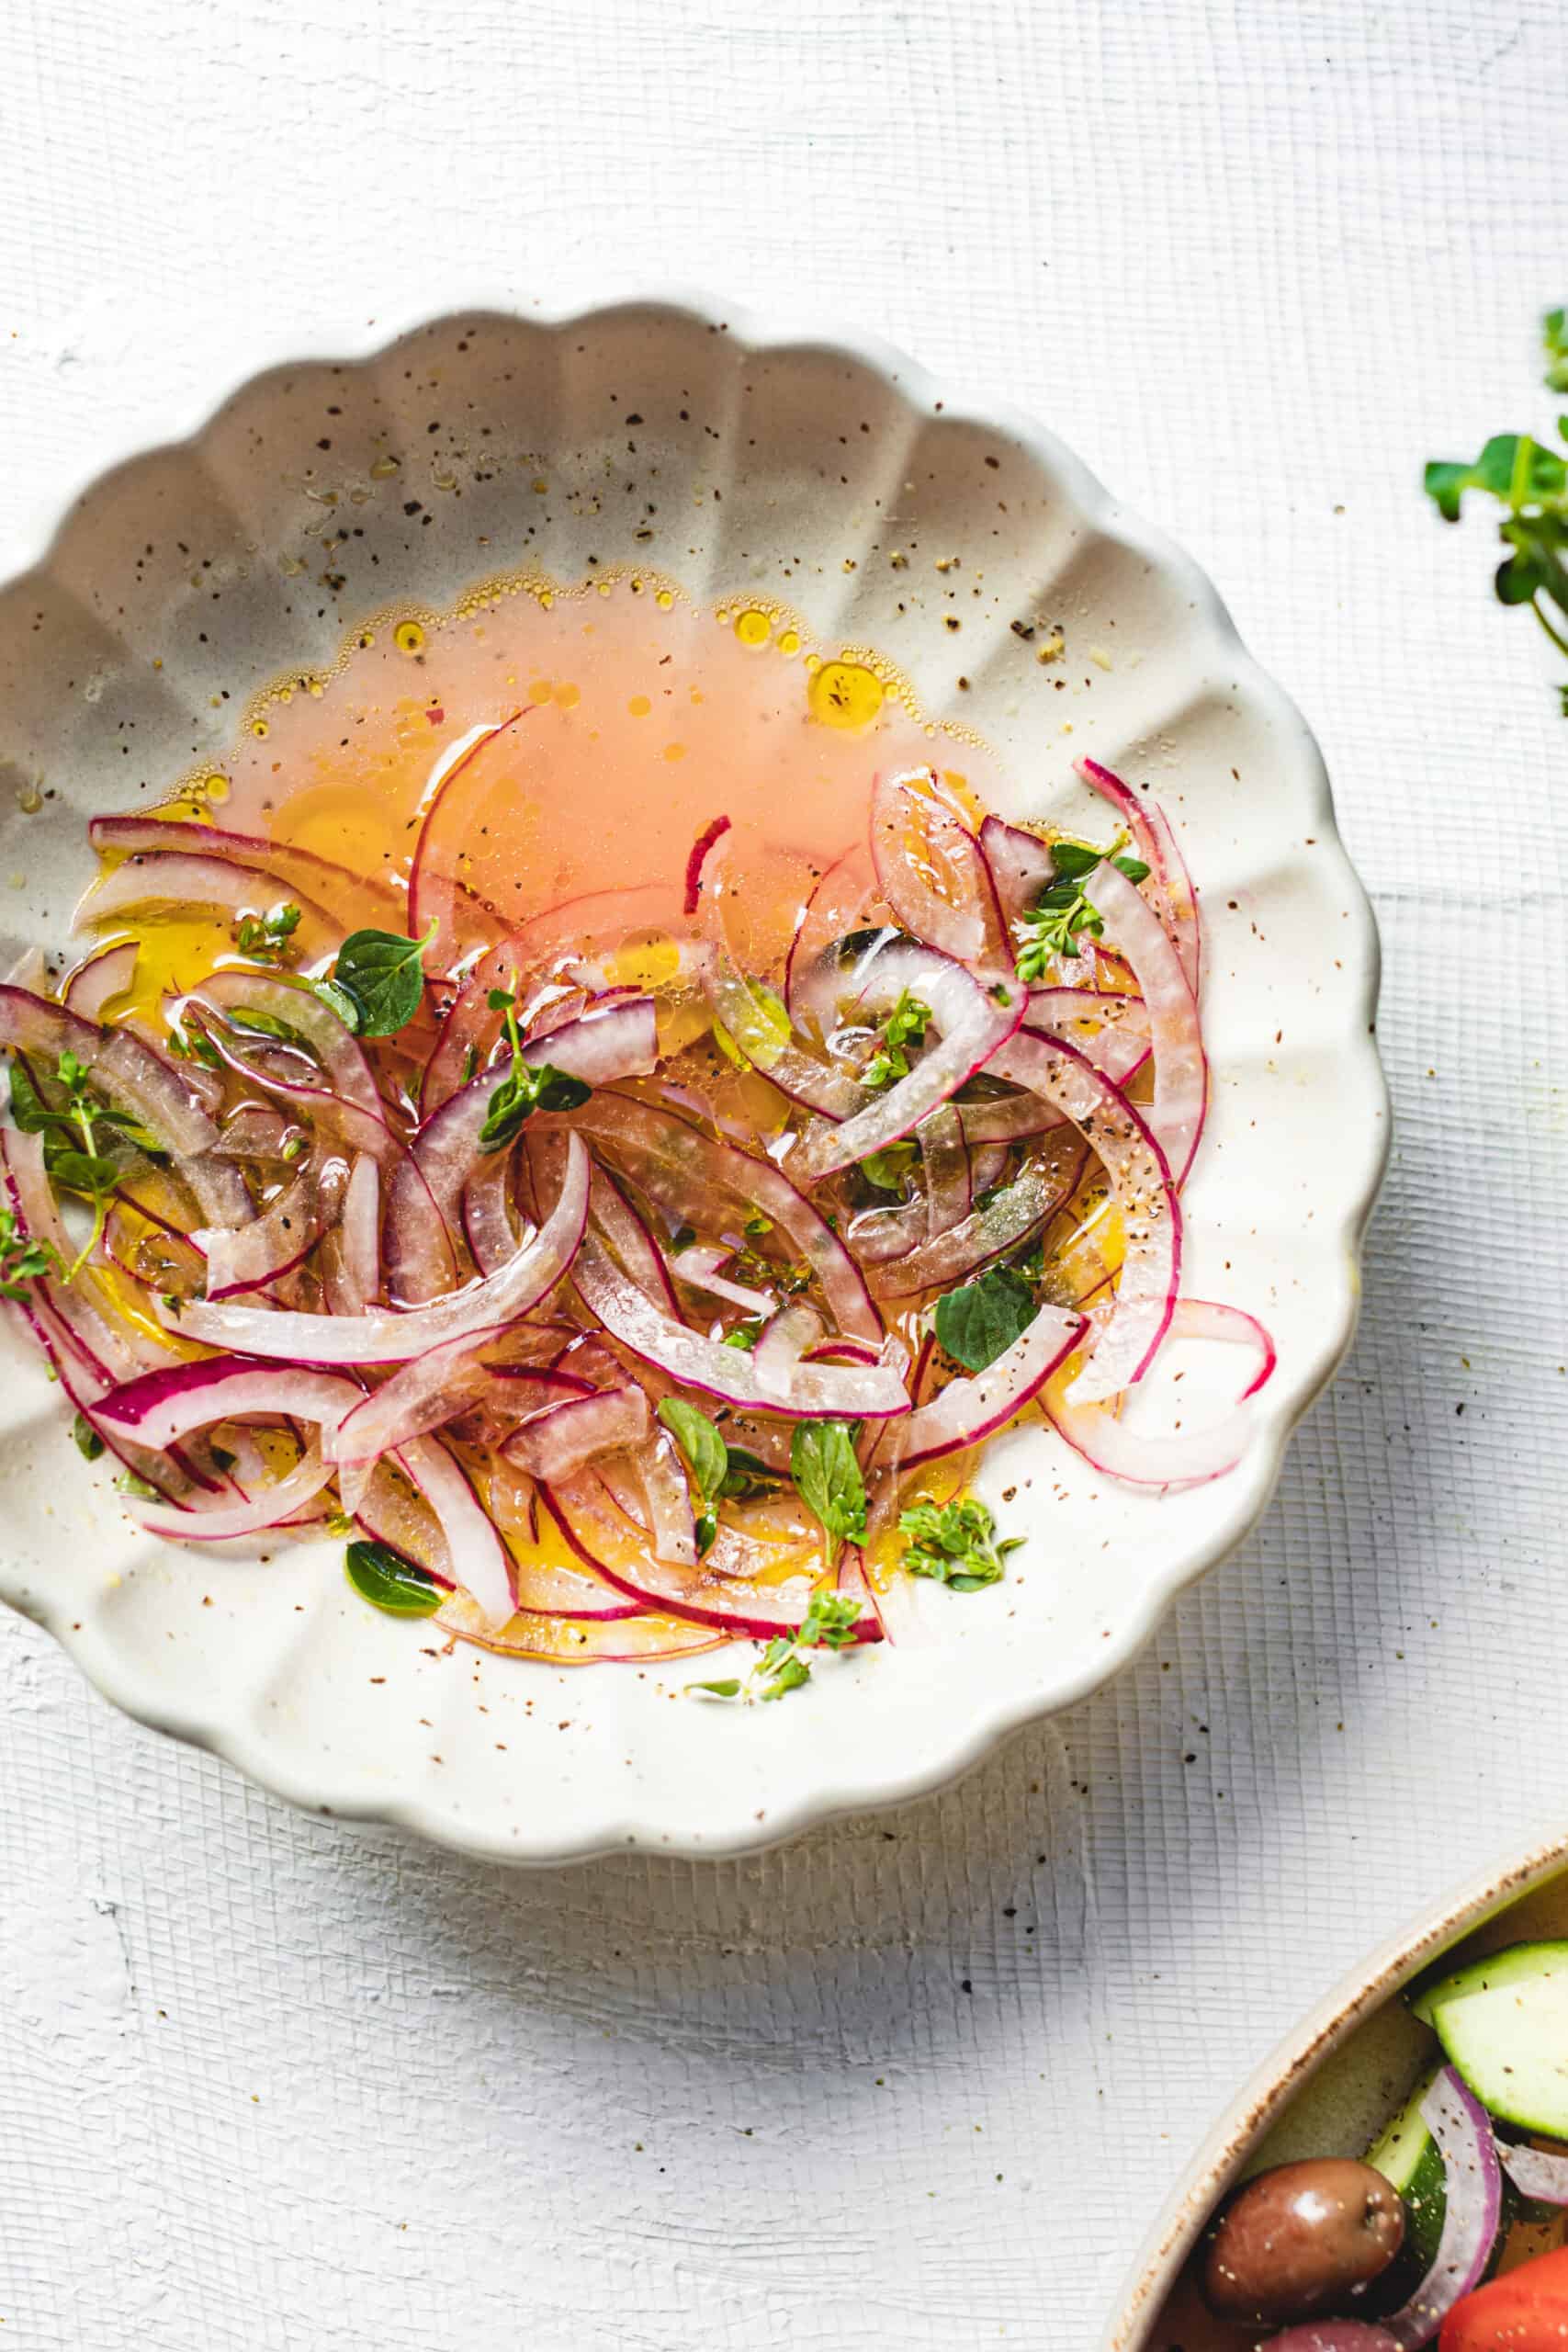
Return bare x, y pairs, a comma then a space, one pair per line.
385, 1578
700, 1442
827, 1477
382, 975
979, 1322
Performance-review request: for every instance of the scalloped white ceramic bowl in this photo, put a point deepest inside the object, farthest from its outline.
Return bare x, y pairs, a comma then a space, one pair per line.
792, 466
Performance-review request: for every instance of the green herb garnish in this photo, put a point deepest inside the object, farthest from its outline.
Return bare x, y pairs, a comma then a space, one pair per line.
748, 1474
1530, 482
905, 1025
829, 1624
21, 1261
828, 1478
378, 981
744, 1336
88, 1444
270, 936
1061, 912
525, 1088
80, 1132
708, 1457
89, 1173
130, 1483
979, 1322
384, 1577
267, 1024
720, 1472
955, 1545
887, 1168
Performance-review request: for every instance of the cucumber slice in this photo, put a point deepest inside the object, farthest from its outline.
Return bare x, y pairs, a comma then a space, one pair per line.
1410, 2161
1499, 1969
1504, 2025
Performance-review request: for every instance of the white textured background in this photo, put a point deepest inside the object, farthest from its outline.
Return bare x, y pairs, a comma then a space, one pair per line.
918, 2082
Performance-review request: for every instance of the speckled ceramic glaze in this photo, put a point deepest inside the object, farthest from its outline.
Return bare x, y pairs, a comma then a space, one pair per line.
1332, 2086
729, 458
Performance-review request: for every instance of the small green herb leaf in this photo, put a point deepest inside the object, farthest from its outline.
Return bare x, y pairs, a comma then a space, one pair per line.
747, 1474
955, 1545
1073, 859
700, 1442
266, 1024
269, 936
744, 1336
905, 1025
1554, 342
524, 1093
382, 974
1529, 482
90, 1445
338, 1000
787, 1676
828, 1478
829, 1623
383, 1577
86, 1172
887, 1168
979, 1322
28, 1109
144, 1491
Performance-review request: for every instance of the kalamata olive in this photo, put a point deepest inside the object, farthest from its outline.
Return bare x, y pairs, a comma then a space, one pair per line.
1301, 2240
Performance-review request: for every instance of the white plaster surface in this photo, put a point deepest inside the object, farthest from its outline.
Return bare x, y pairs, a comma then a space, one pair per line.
919, 2081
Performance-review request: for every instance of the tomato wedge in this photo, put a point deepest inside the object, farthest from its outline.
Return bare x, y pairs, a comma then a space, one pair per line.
1525, 2311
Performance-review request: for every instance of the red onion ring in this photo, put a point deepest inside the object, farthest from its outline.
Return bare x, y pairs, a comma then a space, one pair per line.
438, 896
280, 862
1473, 2210
944, 1158
103, 976
480, 1562
1041, 1188
699, 1266
563, 1438
1141, 1185
385, 1338
1172, 890
817, 1392
1020, 865
681, 1169
785, 1340
173, 878
943, 894
974, 1025
1536, 2172
969, 1410
273, 1506
1182, 1071
247, 1257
